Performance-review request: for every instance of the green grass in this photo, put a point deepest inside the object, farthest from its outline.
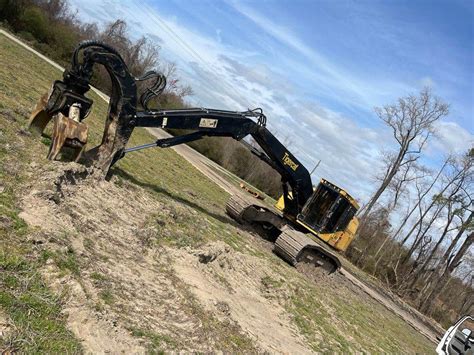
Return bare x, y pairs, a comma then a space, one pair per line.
39, 325
103, 283
33, 309
107, 296
67, 261
155, 341
98, 277
236, 181
192, 215
335, 321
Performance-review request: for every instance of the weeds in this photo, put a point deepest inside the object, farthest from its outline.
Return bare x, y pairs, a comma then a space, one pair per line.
38, 326
156, 342
107, 296
33, 309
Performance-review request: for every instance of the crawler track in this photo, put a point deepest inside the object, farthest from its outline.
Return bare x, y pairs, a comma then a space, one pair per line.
291, 245
296, 247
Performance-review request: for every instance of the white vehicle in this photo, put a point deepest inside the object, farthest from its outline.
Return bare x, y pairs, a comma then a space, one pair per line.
459, 338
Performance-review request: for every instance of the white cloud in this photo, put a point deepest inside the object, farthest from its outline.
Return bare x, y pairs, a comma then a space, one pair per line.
451, 138
427, 81
349, 154
334, 80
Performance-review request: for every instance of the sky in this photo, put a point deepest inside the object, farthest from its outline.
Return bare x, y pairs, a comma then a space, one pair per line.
317, 68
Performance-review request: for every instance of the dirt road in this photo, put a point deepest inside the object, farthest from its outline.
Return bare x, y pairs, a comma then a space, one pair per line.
200, 162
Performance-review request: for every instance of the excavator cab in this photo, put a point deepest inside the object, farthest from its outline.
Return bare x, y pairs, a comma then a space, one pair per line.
329, 214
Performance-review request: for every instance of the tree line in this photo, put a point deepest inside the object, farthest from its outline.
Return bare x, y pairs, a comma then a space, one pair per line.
417, 229
54, 29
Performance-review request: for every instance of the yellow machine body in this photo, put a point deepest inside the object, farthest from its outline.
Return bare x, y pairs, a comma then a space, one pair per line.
338, 238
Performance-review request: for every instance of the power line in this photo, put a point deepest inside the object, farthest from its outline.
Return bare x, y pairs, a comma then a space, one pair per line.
200, 77
181, 42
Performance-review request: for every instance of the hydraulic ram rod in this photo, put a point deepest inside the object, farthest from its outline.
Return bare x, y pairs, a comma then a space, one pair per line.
168, 142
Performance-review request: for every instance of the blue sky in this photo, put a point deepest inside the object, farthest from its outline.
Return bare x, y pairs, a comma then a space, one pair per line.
317, 68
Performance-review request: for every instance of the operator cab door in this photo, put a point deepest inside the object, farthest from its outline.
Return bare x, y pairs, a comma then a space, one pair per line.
327, 211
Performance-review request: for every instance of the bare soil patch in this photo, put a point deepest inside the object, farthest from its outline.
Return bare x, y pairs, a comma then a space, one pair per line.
229, 284
121, 292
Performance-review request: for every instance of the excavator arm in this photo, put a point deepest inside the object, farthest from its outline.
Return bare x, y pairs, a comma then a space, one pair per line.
69, 106
218, 123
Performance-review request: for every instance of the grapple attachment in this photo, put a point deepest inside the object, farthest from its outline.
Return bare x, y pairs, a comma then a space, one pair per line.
68, 106
67, 109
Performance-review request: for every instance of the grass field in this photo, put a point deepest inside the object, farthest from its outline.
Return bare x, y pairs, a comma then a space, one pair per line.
329, 319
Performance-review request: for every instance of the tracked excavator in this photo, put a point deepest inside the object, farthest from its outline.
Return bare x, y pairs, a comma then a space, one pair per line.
309, 225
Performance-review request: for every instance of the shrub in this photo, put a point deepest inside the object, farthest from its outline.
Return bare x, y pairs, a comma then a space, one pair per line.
34, 21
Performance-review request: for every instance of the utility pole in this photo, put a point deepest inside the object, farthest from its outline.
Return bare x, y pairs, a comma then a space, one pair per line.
317, 164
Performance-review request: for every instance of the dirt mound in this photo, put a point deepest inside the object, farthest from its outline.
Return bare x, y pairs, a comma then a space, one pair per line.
72, 212
232, 286
122, 293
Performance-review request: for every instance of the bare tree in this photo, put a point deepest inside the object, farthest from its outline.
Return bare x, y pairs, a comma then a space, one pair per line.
377, 224
58, 10
424, 227
468, 226
143, 55
411, 120
453, 198
451, 258
454, 261
410, 172
467, 303
456, 207
420, 199
457, 177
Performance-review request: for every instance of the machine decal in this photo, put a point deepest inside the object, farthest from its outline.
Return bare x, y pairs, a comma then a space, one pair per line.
288, 161
208, 123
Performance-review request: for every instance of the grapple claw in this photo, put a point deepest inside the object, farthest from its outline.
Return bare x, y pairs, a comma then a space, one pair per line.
40, 118
69, 94
68, 133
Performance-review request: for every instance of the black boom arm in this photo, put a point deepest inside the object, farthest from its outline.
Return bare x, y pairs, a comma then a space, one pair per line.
219, 123
123, 117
